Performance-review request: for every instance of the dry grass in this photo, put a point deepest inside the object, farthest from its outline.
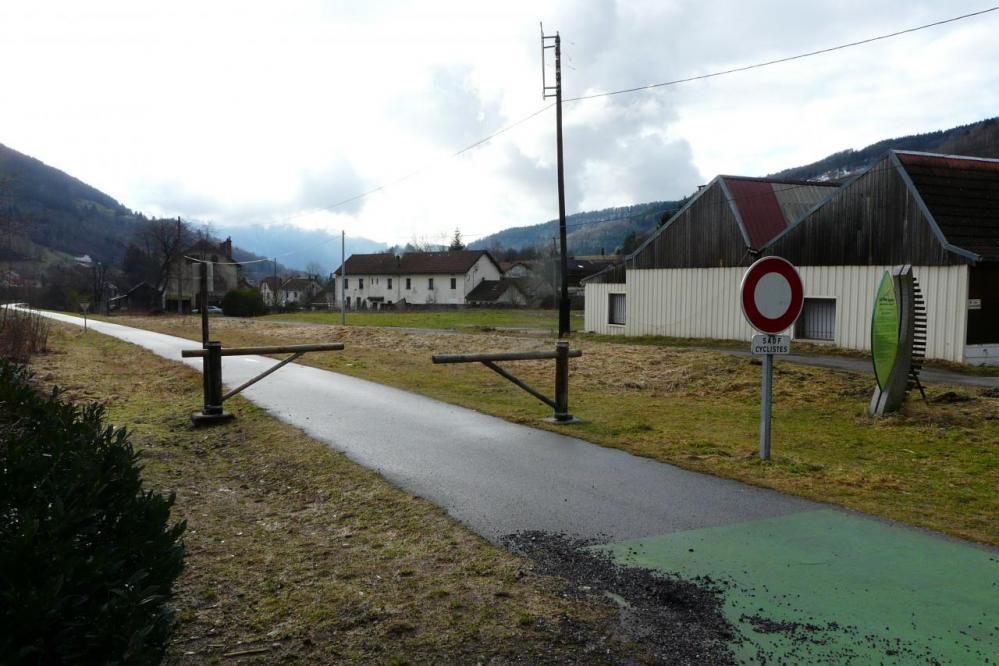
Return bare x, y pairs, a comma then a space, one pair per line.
933, 465
297, 555
22, 333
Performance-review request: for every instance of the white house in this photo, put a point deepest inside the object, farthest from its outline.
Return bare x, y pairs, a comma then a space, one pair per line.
415, 278
298, 291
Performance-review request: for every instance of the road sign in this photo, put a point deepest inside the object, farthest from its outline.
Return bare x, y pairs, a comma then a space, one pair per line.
772, 295
770, 344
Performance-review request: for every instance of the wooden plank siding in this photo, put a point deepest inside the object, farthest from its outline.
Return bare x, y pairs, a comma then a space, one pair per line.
875, 220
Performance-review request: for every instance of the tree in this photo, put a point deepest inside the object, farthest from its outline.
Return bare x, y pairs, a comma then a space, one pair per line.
314, 268
165, 243
456, 243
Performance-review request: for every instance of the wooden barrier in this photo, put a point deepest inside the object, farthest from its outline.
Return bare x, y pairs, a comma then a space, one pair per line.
562, 354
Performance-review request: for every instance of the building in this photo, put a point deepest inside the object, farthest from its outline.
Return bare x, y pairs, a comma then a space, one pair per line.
298, 291
683, 281
268, 289
143, 297
416, 278
937, 213
497, 292
183, 276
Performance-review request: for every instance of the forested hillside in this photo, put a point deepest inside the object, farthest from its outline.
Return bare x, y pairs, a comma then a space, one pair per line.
589, 233
979, 139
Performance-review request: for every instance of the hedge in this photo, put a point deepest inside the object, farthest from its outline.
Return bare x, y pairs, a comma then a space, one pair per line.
87, 555
243, 303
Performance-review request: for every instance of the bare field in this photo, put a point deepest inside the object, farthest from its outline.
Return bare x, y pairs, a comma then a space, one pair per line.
934, 464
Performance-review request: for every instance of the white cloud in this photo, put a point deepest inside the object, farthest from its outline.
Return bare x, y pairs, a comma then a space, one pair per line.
263, 112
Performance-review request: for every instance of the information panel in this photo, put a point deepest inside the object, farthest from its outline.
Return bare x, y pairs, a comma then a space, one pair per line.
884, 330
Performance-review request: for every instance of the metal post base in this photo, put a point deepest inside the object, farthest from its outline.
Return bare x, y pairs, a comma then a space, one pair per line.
203, 419
567, 419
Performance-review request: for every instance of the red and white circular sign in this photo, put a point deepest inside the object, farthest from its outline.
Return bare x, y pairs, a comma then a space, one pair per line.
772, 295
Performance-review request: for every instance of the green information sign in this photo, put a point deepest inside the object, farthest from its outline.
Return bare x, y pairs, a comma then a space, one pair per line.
885, 330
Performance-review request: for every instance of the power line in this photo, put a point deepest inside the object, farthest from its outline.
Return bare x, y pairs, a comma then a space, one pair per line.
778, 61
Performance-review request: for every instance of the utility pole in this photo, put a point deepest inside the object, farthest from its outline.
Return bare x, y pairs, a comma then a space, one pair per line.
343, 277
274, 290
555, 42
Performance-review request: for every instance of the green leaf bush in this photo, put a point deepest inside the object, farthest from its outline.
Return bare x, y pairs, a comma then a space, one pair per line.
243, 303
87, 555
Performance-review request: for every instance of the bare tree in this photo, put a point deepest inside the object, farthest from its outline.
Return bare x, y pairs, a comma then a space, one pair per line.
314, 268
165, 244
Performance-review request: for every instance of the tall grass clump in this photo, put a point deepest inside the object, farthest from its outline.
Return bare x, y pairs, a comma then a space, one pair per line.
22, 333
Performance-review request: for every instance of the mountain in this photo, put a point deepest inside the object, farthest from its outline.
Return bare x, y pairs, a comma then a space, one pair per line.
588, 233
296, 247
979, 139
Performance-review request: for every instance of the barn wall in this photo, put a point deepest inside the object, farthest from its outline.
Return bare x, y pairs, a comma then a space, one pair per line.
596, 311
704, 303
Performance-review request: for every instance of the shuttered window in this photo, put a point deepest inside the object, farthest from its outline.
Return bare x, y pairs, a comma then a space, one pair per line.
817, 320
616, 309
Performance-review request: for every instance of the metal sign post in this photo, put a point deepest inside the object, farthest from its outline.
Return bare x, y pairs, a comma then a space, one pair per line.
83, 307
772, 297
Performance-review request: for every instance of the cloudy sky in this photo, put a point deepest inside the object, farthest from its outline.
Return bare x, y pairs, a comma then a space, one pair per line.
263, 112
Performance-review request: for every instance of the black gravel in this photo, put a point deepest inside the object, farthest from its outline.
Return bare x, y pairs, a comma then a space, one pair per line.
675, 621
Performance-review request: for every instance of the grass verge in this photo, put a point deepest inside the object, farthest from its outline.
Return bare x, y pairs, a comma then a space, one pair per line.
934, 465
463, 320
297, 555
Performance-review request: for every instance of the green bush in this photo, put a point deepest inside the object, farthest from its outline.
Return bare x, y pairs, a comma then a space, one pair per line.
87, 556
243, 303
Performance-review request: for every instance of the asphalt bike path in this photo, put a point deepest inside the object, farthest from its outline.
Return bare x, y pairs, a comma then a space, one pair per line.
806, 582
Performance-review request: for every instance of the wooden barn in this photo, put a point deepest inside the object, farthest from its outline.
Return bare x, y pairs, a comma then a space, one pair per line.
939, 213
684, 280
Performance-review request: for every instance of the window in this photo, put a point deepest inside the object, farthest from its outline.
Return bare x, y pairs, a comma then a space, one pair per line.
408, 286
390, 283
360, 283
616, 309
817, 320
430, 283
345, 285
454, 283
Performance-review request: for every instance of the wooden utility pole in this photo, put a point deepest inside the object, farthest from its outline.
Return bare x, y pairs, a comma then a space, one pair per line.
555, 42
343, 277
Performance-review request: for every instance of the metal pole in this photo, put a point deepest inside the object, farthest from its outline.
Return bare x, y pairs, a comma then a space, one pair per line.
274, 290
562, 381
204, 304
343, 277
768, 380
563, 305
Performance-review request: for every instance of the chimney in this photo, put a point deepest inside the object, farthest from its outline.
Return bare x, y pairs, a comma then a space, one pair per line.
226, 247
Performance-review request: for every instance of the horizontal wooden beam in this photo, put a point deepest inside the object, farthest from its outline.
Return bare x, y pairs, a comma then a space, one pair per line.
277, 349
500, 356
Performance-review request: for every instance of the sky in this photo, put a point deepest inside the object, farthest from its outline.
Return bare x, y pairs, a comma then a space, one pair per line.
249, 112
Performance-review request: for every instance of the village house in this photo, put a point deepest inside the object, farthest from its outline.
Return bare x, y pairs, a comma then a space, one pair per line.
298, 291
937, 213
415, 278
180, 292
268, 289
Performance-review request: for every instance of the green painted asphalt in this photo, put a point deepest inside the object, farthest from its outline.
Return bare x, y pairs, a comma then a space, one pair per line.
830, 587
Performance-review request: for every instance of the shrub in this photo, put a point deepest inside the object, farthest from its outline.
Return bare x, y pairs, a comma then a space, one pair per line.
243, 303
87, 555
22, 333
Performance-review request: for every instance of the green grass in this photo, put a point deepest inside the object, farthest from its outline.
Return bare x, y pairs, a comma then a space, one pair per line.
457, 319
934, 465
297, 555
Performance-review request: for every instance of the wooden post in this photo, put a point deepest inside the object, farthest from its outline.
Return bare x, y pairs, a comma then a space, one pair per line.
213, 378
204, 304
562, 381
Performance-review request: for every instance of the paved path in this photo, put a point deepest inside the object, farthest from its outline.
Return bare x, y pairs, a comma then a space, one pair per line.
831, 586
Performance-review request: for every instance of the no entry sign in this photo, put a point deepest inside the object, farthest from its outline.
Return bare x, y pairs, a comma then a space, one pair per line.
772, 295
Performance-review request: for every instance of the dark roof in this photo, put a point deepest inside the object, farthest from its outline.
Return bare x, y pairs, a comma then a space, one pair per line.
766, 207
961, 195
414, 263
271, 281
300, 283
442, 262
371, 264
490, 290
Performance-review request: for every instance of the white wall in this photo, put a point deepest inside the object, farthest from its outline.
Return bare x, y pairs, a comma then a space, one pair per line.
420, 292
704, 303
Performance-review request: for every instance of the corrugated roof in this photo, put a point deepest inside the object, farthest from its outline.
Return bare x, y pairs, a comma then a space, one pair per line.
765, 208
962, 195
